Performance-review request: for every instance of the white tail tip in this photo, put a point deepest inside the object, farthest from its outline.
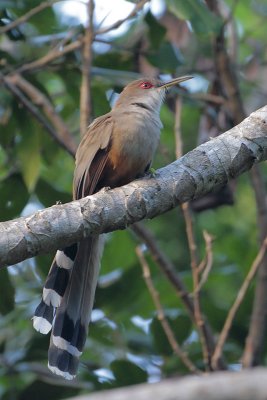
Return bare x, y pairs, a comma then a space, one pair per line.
41, 325
51, 297
65, 375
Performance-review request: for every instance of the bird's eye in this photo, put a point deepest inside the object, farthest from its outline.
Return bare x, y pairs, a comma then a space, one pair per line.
146, 85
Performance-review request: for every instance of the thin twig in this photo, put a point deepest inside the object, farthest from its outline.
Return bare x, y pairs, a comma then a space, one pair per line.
118, 23
239, 298
161, 315
42, 6
85, 96
177, 127
191, 242
58, 52
38, 98
206, 264
52, 55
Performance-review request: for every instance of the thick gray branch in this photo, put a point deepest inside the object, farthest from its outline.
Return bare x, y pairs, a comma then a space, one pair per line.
245, 385
200, 171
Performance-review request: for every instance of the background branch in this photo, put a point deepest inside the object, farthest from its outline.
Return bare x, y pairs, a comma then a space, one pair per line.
24, 18
168, 269
161, 315
206, 349
85, 96
139, 5
229, 83
239, 298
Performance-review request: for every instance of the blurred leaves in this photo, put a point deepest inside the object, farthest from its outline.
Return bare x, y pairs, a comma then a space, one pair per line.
7, 301
127, 373
164, 57
203, 21
156, 31
14, 197
181, 327
30, 159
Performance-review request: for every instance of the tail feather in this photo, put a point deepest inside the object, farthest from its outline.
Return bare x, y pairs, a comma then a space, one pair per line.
70, 326
65, 258
43, 318
54, 288
55, 285
61, 362
58, 277
67, 302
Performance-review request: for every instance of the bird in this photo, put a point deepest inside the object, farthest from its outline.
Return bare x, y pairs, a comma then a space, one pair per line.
117, 148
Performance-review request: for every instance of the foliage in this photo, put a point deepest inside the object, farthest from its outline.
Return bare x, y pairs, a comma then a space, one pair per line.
126, 343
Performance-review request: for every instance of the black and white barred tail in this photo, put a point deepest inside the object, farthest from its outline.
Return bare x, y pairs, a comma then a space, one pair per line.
67, 303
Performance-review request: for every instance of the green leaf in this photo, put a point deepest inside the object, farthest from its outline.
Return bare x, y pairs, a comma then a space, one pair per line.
156, 31
120, 248
165, 58
101, 104
30, 159
127, 373
181, 327
14, 197
49, 195
7, 292
195, 11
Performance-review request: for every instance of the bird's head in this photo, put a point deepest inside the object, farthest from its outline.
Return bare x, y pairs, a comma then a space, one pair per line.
147, 91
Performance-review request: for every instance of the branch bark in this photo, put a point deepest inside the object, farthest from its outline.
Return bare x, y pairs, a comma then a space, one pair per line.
206, 168
245, 385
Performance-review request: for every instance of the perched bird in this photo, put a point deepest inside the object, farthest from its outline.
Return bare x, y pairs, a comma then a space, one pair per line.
117, 148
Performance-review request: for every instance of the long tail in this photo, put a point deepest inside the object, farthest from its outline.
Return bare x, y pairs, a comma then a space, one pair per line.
72, 316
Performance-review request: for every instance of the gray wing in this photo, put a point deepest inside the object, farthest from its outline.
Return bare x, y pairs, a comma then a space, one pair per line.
92, 155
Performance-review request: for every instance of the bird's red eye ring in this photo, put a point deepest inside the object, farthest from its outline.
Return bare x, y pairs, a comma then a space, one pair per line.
146, 85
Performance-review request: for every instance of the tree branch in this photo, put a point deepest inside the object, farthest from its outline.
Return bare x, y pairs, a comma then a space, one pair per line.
206, 168
24, 18
245, 385
52, 55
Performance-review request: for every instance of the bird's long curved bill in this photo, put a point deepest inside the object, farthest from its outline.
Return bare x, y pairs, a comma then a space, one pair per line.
175, 81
